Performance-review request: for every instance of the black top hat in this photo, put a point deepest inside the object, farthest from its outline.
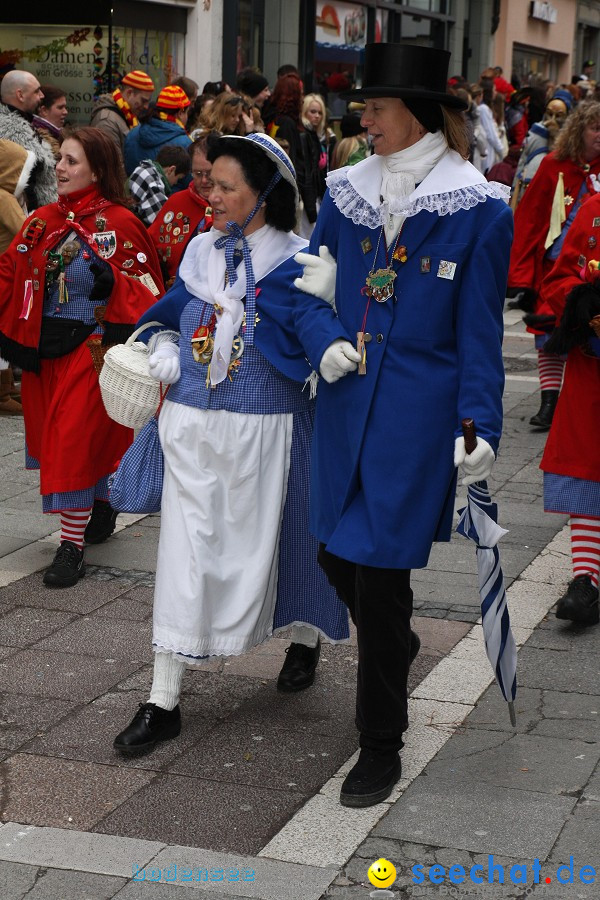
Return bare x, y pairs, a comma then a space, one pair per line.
406, 70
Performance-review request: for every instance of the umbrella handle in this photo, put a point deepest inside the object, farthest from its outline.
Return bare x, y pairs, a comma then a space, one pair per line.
468, 429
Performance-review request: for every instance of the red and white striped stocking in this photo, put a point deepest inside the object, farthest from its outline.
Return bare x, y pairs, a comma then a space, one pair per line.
72, 524
585, 546
550, 370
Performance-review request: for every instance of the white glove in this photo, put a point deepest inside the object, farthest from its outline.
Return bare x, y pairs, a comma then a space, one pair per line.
339, 359
319, 274
164, 365
477, 465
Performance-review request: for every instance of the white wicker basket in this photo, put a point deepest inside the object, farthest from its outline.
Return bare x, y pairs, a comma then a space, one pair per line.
130, 394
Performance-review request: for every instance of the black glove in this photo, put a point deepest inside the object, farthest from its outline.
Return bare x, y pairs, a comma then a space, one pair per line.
524, 298
540, 323
104, 281
583, 303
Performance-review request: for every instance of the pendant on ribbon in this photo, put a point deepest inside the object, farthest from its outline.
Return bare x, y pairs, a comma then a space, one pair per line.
380, 284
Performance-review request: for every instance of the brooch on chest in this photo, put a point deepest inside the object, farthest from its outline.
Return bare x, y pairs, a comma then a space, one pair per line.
203, 346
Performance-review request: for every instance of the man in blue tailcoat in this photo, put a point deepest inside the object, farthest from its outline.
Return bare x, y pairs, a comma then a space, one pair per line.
400, 311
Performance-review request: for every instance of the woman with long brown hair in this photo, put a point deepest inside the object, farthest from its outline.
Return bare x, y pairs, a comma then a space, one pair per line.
69, 258
226, 115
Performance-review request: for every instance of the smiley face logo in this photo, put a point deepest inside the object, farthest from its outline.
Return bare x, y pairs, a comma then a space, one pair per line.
382, 873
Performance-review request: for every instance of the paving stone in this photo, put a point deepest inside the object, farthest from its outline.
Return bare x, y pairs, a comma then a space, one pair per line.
88, 734
23, 717
438, 638
104, 637
136, 544
65, 793
555, 634
491, 711
10, 544
23, 625
540, 668
483, 818
74, 850
592, 788
206, 694
16, 880
127, 609
149, 891
580, 839
66, 676
523, 761
240, 753
203, 813
58, 884
85, 596
405, 855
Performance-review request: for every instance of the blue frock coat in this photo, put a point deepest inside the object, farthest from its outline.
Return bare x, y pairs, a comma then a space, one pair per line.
383, 479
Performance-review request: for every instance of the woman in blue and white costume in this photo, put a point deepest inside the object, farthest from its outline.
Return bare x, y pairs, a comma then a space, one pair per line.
235, 558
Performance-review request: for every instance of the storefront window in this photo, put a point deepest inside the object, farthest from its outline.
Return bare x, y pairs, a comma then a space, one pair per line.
76, 58
435, 6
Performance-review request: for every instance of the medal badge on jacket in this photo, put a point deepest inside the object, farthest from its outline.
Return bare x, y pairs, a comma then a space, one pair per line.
203, 345
106, 243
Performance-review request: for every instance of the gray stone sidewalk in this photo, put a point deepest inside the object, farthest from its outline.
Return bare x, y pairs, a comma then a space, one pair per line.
251, 785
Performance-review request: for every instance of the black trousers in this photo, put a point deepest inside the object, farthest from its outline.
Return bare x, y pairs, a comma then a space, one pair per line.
380, 603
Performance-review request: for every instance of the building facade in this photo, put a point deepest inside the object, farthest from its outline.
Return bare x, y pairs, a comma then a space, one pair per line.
212, 39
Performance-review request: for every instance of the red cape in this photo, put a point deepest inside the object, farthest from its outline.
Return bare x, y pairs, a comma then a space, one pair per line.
22, 271
532, 219
575, 254
572, 445
179, 207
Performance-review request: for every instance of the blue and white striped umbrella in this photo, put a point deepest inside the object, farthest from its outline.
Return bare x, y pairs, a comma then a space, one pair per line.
479, 522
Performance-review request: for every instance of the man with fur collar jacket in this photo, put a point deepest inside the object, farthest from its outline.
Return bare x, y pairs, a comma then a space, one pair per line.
21, 95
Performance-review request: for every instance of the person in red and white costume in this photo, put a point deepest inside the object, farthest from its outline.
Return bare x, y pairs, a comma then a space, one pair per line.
571, 462
85, 251
185, 214
566, 178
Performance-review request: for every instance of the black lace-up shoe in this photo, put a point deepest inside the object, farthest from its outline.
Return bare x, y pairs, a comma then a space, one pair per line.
580, 603
102, 523
372, 779
150, 725
68, 566
298, 670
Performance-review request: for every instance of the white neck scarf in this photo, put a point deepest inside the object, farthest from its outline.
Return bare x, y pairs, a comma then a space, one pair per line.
203, 270
402, 171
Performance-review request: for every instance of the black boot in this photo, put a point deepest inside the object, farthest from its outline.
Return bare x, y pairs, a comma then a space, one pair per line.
298, 670
580, 603
150, 725
67, 568
544, 415
102, 523
372, 779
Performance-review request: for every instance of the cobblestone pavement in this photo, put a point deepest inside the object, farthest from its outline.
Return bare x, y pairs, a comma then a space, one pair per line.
252, 783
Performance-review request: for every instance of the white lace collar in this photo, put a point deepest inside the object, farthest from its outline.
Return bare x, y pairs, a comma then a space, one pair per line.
452, 184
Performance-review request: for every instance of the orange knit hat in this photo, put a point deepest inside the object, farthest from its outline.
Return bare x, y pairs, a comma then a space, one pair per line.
138, 80
172, 97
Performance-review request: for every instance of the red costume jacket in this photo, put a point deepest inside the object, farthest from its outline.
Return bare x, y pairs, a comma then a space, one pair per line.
532, 219
572, 445
113, 232
184, 215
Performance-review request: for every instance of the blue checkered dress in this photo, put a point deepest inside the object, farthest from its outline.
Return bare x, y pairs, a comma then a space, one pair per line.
79, 281
571, 496
258, 388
